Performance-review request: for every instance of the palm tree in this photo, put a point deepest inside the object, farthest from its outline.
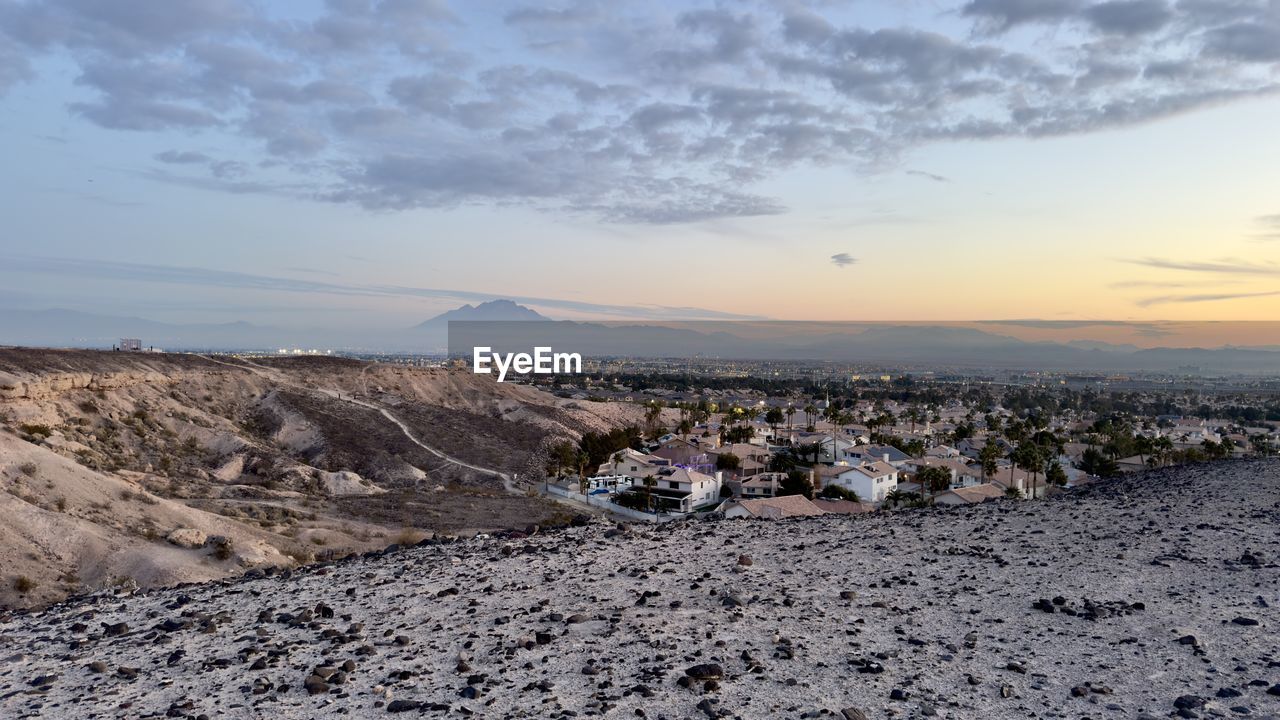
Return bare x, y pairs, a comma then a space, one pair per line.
1029, 457
774, 418
933, 478
987, 459
893, 498
650, 482
1164, 449
810, 411
651, 415
1144, 446
791, 413
834, 416
581, 459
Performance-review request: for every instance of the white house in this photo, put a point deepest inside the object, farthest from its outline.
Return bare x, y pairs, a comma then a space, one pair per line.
683, 490
871, 481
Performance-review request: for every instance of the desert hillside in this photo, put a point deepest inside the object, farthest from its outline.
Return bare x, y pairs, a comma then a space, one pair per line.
152, 469
1148, 597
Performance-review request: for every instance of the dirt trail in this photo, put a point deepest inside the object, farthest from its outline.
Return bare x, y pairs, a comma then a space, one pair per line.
276, 376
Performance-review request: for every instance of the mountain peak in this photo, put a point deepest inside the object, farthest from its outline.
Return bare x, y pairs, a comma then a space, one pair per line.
500, 309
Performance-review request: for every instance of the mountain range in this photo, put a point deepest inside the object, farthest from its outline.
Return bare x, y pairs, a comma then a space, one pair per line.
505, 326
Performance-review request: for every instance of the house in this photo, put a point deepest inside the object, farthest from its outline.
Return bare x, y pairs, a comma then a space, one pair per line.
685, 454
826, 442
762, 485
972, 447
969, 495
871, 481
1018, 478
678, 489
775, 508
1133, 463
633, 463
754, 459
843, 507
882, 453
962, 475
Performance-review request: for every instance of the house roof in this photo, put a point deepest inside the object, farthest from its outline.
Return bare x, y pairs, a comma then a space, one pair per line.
742, 450
976, 493
958, 467
843, 507
763, 480
879, 451
780, 507
680, 474
879, 468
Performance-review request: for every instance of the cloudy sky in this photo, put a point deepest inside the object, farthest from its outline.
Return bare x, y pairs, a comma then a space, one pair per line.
363, 162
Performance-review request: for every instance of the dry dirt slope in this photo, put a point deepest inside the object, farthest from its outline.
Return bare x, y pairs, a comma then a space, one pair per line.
104, 455
1147, 597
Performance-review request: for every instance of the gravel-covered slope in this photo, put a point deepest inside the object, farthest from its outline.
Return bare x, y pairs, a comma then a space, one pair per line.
1153, 596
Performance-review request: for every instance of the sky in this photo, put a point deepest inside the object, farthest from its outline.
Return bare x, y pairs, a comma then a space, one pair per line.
362, 163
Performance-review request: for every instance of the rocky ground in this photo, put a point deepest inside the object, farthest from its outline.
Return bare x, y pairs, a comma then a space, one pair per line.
1148, 597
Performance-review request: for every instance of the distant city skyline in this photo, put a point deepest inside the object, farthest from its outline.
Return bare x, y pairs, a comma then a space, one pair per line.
370, 164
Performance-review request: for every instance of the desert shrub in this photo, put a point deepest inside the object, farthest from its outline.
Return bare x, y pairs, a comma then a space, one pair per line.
222, 549
89, 407
302, 557
318, 540
409, 536
36, 429
23, 584
29, 469
61, 504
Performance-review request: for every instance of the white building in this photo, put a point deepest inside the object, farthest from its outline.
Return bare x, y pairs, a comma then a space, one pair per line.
683, 490
871, 481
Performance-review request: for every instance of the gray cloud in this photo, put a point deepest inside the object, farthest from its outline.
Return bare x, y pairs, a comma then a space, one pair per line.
1207, 297
928, 175
179, 157
1130, 17
1219, 267
843, 259
1251, 42
665, 117
1004, 14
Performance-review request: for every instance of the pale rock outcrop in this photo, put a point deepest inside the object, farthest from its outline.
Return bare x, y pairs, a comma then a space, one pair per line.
190, 538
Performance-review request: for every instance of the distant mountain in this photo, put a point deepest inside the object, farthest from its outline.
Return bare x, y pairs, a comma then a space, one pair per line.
507, 328
1100, 345
494, 310
890, 345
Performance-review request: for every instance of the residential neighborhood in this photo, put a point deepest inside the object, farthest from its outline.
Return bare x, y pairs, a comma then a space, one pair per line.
866, 450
